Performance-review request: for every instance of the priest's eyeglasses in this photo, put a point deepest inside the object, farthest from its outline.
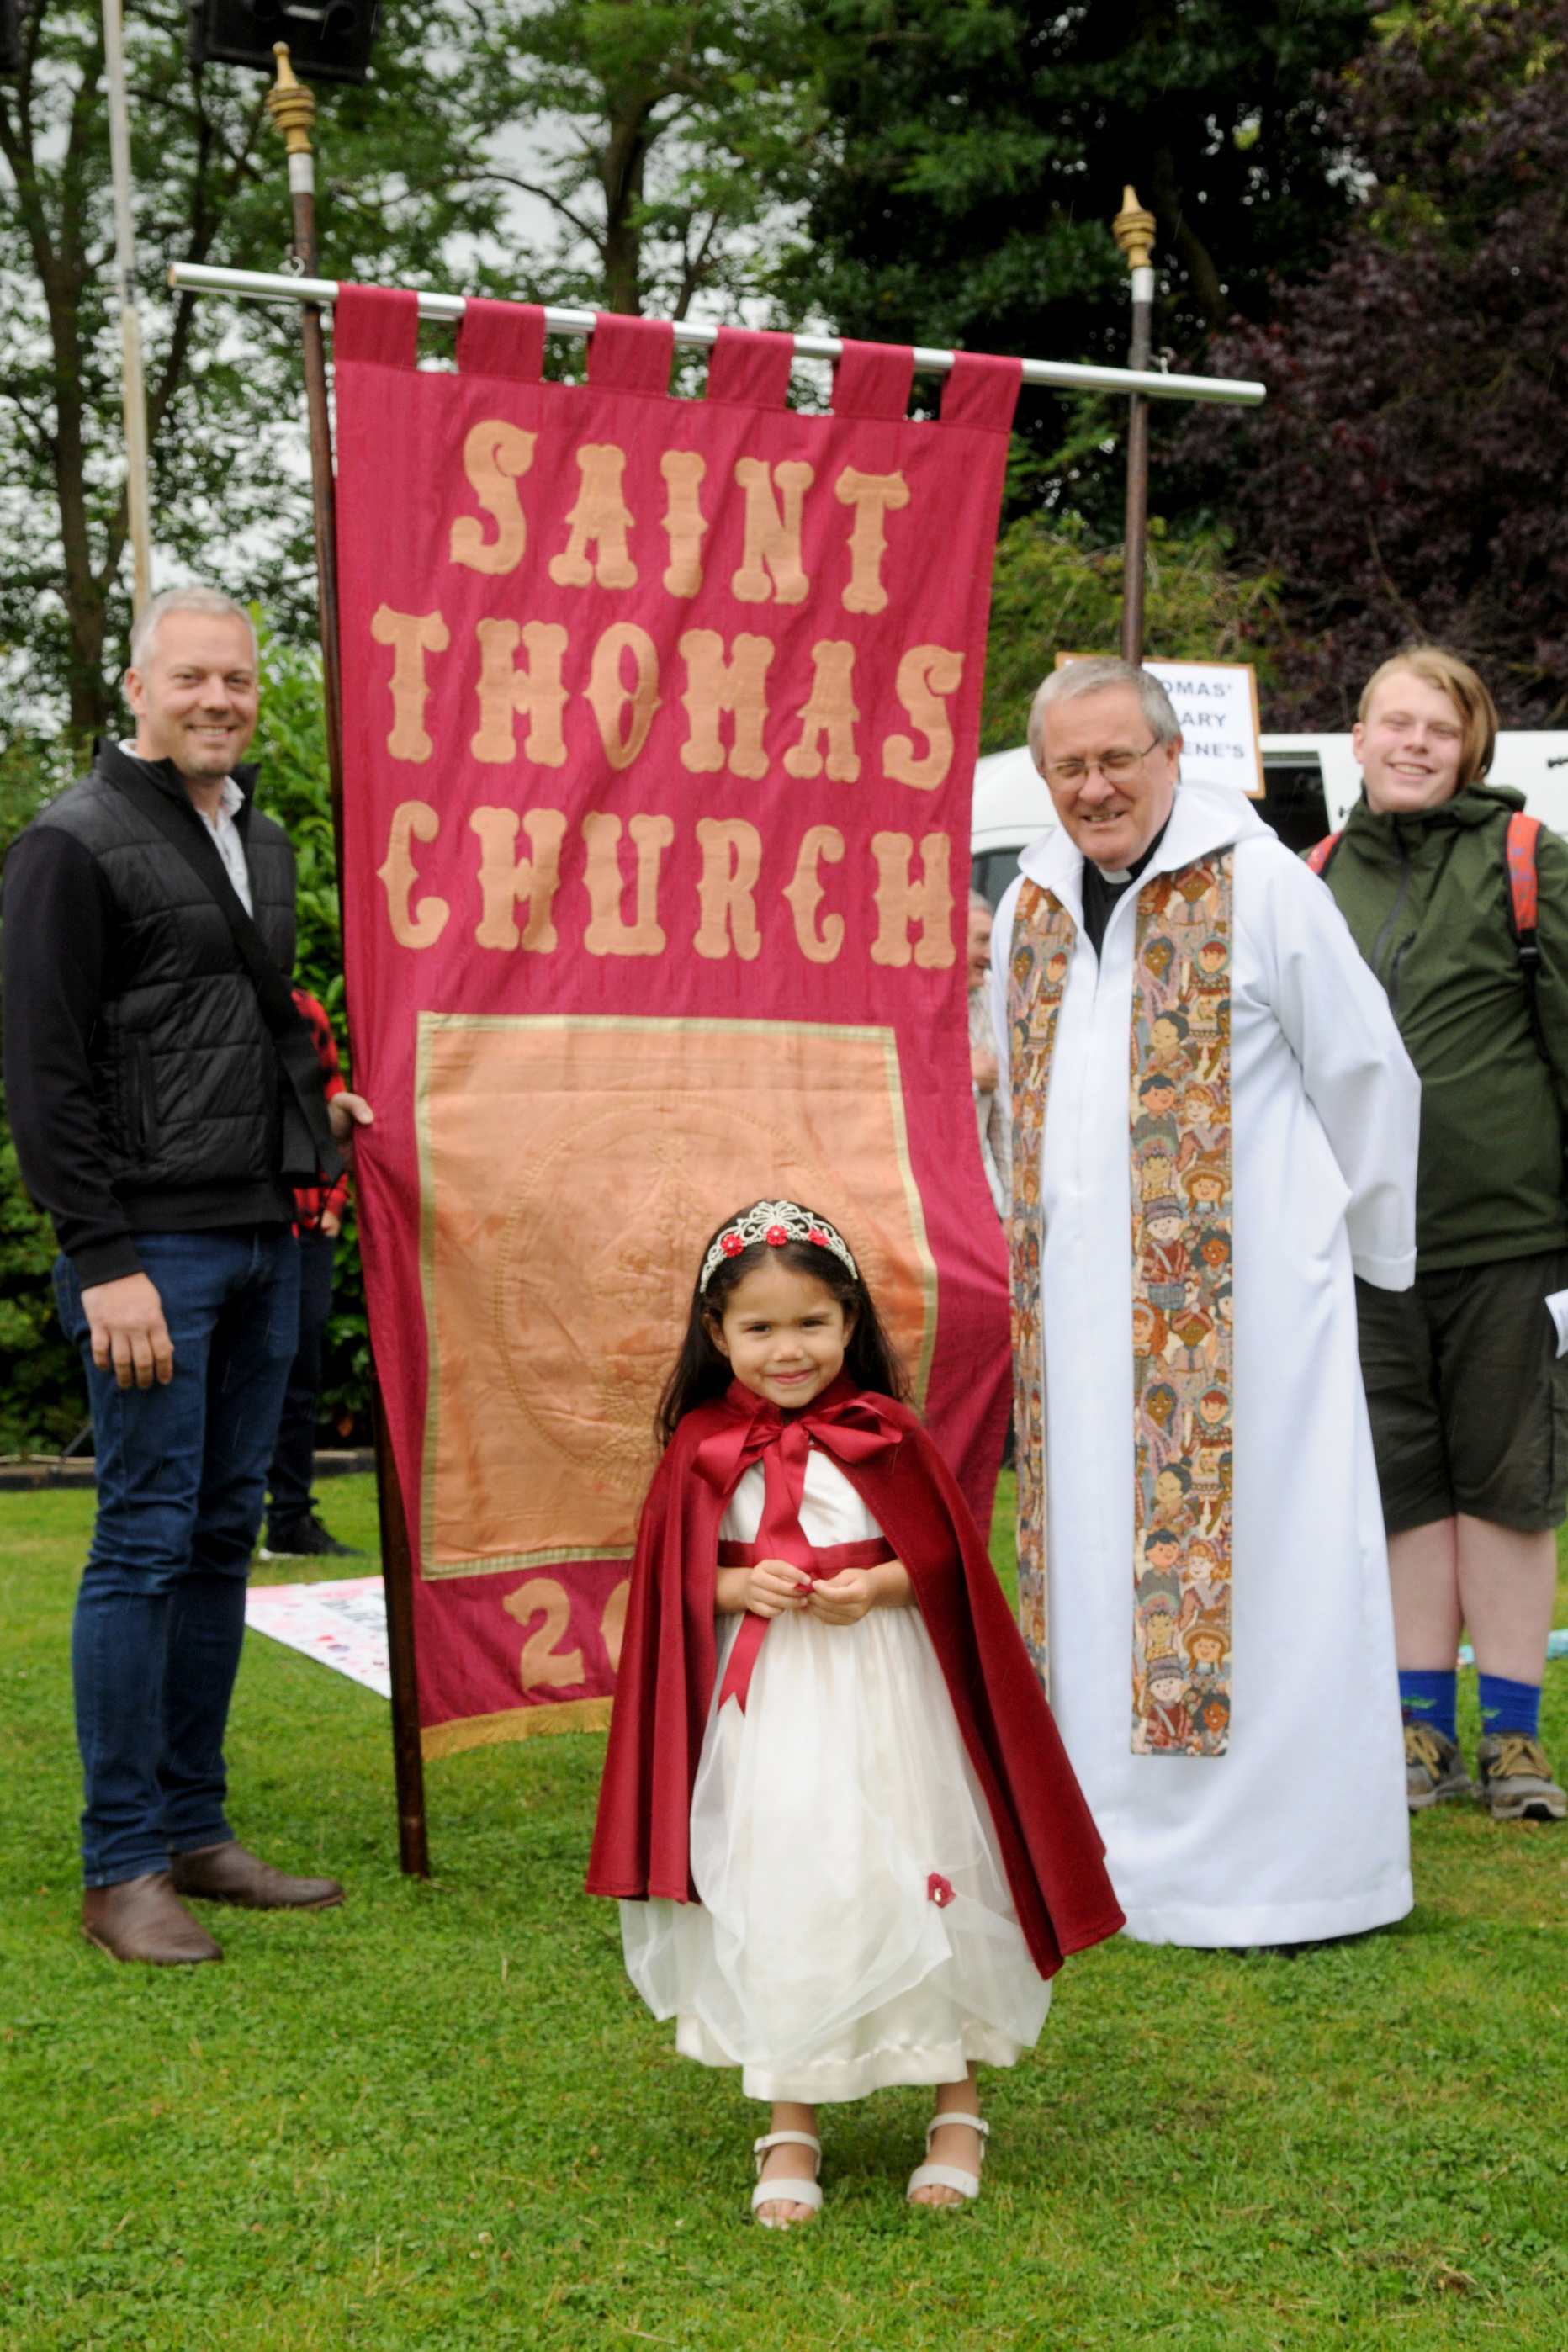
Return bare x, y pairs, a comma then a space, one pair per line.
1113, 765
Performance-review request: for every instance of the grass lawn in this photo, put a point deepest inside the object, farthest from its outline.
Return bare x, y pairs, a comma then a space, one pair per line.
440, 2119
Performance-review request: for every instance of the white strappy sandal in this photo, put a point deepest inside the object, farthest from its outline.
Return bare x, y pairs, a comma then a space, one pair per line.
950, 2176
792, 2192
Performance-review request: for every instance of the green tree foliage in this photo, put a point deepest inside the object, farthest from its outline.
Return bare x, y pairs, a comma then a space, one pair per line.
669, 131
1408, 474
401, 176
1053, 593
976, 151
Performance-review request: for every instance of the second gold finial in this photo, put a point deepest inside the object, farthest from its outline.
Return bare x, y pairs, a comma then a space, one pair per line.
1134, 229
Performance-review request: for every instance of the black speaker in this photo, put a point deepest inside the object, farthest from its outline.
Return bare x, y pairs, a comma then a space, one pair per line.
10, 37
329, 41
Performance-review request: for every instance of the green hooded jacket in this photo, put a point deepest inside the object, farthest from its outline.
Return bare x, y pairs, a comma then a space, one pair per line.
1426, 899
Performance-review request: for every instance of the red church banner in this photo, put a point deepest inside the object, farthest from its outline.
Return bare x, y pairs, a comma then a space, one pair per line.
660, 725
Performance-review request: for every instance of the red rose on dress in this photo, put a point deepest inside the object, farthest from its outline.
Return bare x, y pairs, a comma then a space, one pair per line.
775, 1236
939, 1890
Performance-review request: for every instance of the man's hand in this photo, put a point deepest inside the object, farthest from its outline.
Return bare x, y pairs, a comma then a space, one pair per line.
983, 1069
129, 1333
845, 1599
346, 1112
767, 1590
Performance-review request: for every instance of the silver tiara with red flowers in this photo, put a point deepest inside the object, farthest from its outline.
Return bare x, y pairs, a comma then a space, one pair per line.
775, 1222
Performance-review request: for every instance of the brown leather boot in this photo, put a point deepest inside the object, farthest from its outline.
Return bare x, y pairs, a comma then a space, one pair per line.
228, 1874
143, 1919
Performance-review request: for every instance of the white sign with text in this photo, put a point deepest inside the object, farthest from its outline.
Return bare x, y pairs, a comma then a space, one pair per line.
1217, 704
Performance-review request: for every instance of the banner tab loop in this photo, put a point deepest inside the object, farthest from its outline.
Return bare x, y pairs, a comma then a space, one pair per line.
504, 339
378, 325
873, 380
628, 354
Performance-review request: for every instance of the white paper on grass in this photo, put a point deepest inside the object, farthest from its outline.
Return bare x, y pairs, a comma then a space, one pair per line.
341, 1622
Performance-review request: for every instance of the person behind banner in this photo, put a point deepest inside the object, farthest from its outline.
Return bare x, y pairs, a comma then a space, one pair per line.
848, 1849
164, 1096
990, 1111
294, 1528
1186, 1030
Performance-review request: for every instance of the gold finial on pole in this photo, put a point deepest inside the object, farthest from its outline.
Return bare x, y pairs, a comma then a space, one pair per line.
1134, 229
291, 106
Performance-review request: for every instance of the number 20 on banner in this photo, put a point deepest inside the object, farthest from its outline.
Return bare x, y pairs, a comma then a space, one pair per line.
542, 1665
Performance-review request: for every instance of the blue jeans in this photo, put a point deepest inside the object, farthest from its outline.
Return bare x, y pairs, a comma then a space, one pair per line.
160, 1618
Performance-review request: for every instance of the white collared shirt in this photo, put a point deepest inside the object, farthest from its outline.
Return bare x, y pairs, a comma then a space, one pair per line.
230, 847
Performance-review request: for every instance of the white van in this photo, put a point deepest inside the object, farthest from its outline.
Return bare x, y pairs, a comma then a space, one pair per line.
1310, 784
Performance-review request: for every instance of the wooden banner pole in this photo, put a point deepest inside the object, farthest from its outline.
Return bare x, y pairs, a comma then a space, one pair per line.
1134, 229
293, 111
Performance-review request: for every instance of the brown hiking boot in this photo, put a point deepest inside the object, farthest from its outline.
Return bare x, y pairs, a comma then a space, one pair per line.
1434, 1768
1515, 1780
229, 1873
143, 1919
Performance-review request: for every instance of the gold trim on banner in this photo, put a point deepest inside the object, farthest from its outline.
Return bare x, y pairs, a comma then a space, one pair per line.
429, 1023
515, 1723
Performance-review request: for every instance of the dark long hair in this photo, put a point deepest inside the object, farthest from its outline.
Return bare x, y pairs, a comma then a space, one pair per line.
700, 1370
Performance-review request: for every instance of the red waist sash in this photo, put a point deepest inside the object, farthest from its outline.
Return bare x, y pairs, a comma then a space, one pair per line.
825, 1561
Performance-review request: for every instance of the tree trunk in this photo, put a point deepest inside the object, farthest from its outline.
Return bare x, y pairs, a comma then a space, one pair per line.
623, 160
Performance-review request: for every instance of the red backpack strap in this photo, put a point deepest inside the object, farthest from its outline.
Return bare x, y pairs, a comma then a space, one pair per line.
1320, 852
1519, 852
1524, 882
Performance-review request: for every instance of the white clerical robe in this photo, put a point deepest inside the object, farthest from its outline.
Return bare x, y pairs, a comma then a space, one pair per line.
1300, 1831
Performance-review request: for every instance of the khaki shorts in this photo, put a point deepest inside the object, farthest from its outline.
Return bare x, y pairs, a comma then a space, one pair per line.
1469, 1402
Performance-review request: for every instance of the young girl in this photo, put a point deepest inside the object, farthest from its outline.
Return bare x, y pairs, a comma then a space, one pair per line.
849, 1848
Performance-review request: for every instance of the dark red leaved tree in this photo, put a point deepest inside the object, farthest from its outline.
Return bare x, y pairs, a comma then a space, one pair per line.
1407, 477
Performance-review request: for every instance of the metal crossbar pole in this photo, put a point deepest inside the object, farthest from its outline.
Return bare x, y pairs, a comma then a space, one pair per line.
260, 286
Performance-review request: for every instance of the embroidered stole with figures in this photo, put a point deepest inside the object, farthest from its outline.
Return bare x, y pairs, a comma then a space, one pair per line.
1181, 1298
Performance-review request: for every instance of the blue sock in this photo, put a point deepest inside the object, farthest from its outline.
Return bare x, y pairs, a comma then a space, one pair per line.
1431, 1698
1508, 1707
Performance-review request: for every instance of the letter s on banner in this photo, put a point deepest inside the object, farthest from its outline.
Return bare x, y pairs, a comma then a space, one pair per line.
495, 455
419, 927
926, 674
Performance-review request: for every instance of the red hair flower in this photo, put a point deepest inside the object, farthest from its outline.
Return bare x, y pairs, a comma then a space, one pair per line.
775, 1236
939, 1890
818, 1236
731, 1244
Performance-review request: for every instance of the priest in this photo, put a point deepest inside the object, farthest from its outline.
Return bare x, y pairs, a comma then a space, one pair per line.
1215, 1129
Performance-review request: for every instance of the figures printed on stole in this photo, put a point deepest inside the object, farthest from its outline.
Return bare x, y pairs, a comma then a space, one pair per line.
1181, 1319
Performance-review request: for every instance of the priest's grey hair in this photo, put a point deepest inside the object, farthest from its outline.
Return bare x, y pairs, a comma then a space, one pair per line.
1092, 676
191, 598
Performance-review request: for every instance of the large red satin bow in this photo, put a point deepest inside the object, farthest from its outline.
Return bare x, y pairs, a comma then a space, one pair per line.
844, 1421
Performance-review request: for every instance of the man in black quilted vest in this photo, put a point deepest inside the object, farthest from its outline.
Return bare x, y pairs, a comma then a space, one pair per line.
154, 1120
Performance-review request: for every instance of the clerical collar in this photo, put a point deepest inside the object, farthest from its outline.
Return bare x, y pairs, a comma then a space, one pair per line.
1103, 885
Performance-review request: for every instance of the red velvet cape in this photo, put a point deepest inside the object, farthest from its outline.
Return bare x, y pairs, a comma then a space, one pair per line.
1052, 1852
